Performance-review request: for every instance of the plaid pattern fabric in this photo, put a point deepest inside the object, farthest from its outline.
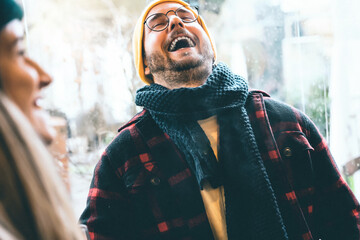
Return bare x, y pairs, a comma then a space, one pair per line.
315, 201
143, 189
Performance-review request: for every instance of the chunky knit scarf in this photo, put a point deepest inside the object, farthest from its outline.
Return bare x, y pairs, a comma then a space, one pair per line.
252, 211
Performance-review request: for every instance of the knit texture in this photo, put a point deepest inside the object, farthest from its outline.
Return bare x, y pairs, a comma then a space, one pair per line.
252, 211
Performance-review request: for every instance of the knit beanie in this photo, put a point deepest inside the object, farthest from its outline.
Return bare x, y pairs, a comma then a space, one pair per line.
139, 35
9, 10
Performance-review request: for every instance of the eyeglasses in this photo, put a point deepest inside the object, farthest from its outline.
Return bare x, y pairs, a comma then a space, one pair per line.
159, 21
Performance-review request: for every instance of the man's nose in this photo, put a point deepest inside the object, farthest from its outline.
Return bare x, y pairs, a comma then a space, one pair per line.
175, 22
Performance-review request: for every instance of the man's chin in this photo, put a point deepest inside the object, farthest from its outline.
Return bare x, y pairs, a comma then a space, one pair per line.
186, 64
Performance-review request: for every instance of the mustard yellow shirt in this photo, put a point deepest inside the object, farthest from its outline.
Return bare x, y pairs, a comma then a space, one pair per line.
213, 198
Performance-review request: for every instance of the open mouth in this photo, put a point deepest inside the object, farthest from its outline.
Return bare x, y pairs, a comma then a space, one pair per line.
181, 42
38, 102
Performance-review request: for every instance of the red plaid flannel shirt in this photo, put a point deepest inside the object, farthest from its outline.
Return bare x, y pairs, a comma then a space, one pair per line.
142, 187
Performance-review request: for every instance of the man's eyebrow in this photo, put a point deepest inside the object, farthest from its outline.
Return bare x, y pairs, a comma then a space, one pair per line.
156, 15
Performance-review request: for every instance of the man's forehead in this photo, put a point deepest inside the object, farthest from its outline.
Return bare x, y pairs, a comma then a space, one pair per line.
164, 7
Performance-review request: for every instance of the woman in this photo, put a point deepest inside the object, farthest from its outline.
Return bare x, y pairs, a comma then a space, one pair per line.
33, 201
21, 78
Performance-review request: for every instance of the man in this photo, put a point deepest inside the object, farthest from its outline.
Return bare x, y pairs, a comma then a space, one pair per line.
206, 158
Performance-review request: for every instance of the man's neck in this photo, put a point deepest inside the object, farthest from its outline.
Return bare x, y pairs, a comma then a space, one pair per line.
184, 79
174, 85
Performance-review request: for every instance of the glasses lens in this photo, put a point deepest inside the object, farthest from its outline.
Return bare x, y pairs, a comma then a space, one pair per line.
157, 22
186, 14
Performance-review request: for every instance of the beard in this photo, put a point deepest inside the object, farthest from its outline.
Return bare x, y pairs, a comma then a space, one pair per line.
181, 73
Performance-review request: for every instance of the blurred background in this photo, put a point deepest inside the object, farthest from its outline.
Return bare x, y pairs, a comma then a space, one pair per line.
306, 53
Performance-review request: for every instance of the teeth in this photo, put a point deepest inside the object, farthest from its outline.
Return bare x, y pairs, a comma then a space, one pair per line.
173, 44
39, 102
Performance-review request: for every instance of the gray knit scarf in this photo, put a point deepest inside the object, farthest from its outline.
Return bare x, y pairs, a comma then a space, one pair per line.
252, 211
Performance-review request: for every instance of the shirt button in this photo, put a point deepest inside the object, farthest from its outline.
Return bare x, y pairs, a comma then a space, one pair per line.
287, 152
155, 181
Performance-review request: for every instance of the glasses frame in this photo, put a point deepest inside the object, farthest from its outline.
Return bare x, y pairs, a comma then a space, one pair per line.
194, 10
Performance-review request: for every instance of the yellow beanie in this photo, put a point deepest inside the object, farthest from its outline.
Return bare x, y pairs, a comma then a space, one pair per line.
139, 35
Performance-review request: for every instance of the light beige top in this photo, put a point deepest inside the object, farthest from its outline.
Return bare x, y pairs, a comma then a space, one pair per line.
213, 198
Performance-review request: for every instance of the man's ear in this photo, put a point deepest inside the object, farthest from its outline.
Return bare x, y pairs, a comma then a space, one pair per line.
146, 68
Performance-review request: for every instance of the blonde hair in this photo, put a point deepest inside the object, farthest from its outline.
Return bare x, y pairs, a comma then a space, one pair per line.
33, 200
